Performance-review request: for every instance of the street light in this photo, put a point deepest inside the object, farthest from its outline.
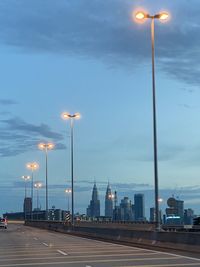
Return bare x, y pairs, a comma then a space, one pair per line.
46, 147
141, 17
33, 166
71, 117
38, 185
68, 192
25, 178
111, 196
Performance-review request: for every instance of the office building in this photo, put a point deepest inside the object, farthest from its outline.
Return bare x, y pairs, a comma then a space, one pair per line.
153, 215
109, 202
175, 212
188, 216
126, 210
27, 207
93, 209
139, 207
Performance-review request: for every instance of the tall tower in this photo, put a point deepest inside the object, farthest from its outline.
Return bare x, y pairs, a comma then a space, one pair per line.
139, 207
93, 209
108, 202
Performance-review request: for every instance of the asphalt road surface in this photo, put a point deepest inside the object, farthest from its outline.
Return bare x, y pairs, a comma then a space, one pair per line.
27, 246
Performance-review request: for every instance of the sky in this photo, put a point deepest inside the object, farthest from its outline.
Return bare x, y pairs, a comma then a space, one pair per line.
92, 57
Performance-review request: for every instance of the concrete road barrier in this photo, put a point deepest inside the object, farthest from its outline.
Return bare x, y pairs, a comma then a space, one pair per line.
185, 241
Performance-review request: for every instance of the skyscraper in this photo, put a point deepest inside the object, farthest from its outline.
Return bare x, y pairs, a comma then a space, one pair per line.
126, 210
108, 202
93, 209
139, 207
27, 207
175, 212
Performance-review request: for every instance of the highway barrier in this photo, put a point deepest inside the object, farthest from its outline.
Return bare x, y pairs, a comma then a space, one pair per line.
185, 241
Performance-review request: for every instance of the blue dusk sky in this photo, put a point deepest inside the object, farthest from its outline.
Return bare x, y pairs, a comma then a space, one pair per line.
89, 56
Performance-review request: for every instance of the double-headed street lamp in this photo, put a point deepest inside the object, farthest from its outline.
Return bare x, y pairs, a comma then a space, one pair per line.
46, 147
71, 117
140, 17
68, 192
33, 166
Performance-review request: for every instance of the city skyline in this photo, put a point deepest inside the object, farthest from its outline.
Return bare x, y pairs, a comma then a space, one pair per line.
58, 57
58, 195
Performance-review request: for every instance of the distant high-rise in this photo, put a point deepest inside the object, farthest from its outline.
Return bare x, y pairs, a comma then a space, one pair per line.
175, 212
152, 215
126, 210
139, 207
93, 209
188, 216
27, 207
108, 202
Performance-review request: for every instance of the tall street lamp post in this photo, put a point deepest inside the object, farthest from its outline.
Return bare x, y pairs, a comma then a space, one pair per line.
25, 178
68, 192
71, 117
142, 16
46, 147
33, 166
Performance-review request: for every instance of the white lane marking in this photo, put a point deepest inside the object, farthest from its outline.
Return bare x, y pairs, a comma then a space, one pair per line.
160, 252
55, 263
166, 265
62, 252
185, 257
27, 255
93, 260
35, 238
135, 248
123, 252
45, 244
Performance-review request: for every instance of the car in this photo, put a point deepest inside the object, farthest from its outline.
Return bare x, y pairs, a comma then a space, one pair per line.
3, 223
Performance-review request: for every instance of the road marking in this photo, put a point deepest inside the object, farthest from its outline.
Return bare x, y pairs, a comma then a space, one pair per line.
165, 265
98, 261
27, 255
62, 252
35, 238
185, 257
45, 244
121, 252
84, 261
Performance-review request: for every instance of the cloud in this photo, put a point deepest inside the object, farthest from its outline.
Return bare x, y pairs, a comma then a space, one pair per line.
27, 128
7, 102
106, 31
186, 106
87, 185
18, 136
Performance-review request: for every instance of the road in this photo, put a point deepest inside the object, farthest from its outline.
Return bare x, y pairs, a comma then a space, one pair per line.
27, 246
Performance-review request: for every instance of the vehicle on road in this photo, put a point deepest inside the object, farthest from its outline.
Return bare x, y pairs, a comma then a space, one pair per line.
3, 223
